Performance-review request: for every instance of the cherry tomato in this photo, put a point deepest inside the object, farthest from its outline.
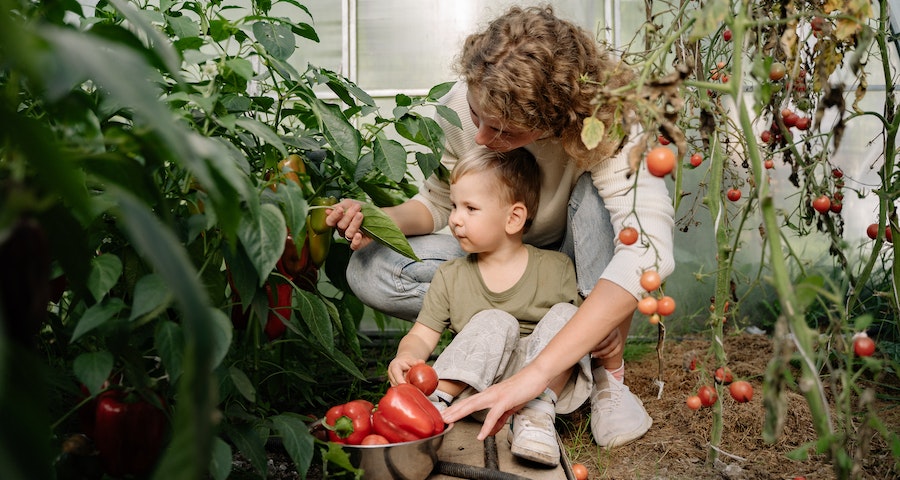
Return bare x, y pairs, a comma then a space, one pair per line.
769, 164
726, 35
723, 375
741, 391
374, 439
872, 231
765, 136
836, 207
863, 345
837, 173
693, 402
817, 23
663, 140
802, 123
665, 306
654, 319
647, 305
822, 204
708, 395
734, 194
628, 235
650, 280
660, 161
424, 377
696, 159
579, 471
776, 71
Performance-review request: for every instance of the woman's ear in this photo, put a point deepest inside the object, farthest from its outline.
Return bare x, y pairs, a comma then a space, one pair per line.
515, 221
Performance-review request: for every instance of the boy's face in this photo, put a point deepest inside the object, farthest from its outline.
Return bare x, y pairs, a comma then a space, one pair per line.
478, 218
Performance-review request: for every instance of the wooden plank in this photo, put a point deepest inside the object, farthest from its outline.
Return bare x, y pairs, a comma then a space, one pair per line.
461, 446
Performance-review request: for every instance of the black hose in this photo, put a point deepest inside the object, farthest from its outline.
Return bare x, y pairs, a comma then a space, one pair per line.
491, 458
472, 472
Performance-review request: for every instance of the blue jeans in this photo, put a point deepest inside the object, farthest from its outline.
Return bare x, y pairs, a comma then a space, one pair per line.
396, 285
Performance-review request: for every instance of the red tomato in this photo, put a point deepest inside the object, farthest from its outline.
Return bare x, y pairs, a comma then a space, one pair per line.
769, 163
650, 280
726, 35
872, 231
734, 194
802, 123
693, 402
628, 235
579, 471
660, 161
424, 377
374, 439
863, 345
822, 204
696, 159
708, 395
723, 375
837, 173
665, 306
765, 136
663, 140
647, 305
836, 207
741, 391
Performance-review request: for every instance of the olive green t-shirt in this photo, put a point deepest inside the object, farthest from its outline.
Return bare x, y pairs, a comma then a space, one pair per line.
458, 292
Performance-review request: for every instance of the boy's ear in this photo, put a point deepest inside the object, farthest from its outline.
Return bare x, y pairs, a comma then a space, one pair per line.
515, 221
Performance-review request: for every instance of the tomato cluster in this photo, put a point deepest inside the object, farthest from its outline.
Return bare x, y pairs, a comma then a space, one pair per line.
652, 306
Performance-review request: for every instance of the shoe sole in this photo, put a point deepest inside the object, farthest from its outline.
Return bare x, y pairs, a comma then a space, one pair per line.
533, 456
629, 437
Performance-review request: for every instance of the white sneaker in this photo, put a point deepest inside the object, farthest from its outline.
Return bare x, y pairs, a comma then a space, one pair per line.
533, 433
440, 400
617, 415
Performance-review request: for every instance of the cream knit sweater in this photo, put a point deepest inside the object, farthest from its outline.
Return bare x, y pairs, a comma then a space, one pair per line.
641, 201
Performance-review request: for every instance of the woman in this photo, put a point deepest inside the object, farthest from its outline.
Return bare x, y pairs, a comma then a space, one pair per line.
529, 80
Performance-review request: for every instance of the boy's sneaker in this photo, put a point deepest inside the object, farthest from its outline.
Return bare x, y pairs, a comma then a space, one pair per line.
440, 400
532, 434
617, 415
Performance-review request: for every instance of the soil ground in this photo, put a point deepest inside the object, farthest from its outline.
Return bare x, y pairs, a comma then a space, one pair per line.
678, 444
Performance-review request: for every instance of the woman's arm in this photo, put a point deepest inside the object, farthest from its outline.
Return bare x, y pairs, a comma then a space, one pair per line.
602, 311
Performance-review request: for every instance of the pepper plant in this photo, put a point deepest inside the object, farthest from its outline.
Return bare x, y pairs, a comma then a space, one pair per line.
146, 198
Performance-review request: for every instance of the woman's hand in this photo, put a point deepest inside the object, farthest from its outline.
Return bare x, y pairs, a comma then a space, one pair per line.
610, 346
502, 399
346, 216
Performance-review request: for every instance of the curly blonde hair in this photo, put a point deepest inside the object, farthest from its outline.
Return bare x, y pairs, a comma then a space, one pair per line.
535, 71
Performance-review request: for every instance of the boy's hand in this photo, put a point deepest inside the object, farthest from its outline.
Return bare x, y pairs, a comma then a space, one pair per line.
399, 366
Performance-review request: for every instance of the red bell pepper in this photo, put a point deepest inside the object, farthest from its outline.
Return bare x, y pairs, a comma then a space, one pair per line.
405, 414
280, 306
129, 433
349, 423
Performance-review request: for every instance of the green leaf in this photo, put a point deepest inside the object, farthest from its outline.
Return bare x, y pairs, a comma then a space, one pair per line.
242, 382
221, 334
169, 343
439, 90
709, 18
449, 115
339, 457
422, 130
340, 134
240, 67
315, 316
263, 131
390, 157
428, 163
277, 39
248, 442
263, 239
862, 322
92, 369
296, 439
183, 26
377, 225
150, 294
105, 272
807, 290
801, 453
294, 206
96, 316
592, 132
222, 459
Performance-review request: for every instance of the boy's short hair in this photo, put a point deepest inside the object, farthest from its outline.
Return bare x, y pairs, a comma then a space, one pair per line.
517, 173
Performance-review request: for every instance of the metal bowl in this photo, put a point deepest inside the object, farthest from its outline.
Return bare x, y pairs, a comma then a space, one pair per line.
400, 461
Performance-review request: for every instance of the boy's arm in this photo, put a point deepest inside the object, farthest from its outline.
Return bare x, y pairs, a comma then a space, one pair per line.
415, 347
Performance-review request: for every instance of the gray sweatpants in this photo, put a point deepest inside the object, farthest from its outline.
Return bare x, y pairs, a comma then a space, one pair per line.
489, 349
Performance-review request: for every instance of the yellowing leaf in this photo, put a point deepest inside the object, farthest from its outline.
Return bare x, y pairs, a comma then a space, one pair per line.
592, 132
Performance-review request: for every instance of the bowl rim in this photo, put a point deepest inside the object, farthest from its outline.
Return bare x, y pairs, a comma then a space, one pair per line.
447, 428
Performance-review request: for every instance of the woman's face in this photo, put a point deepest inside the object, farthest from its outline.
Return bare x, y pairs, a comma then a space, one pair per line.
491, 133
